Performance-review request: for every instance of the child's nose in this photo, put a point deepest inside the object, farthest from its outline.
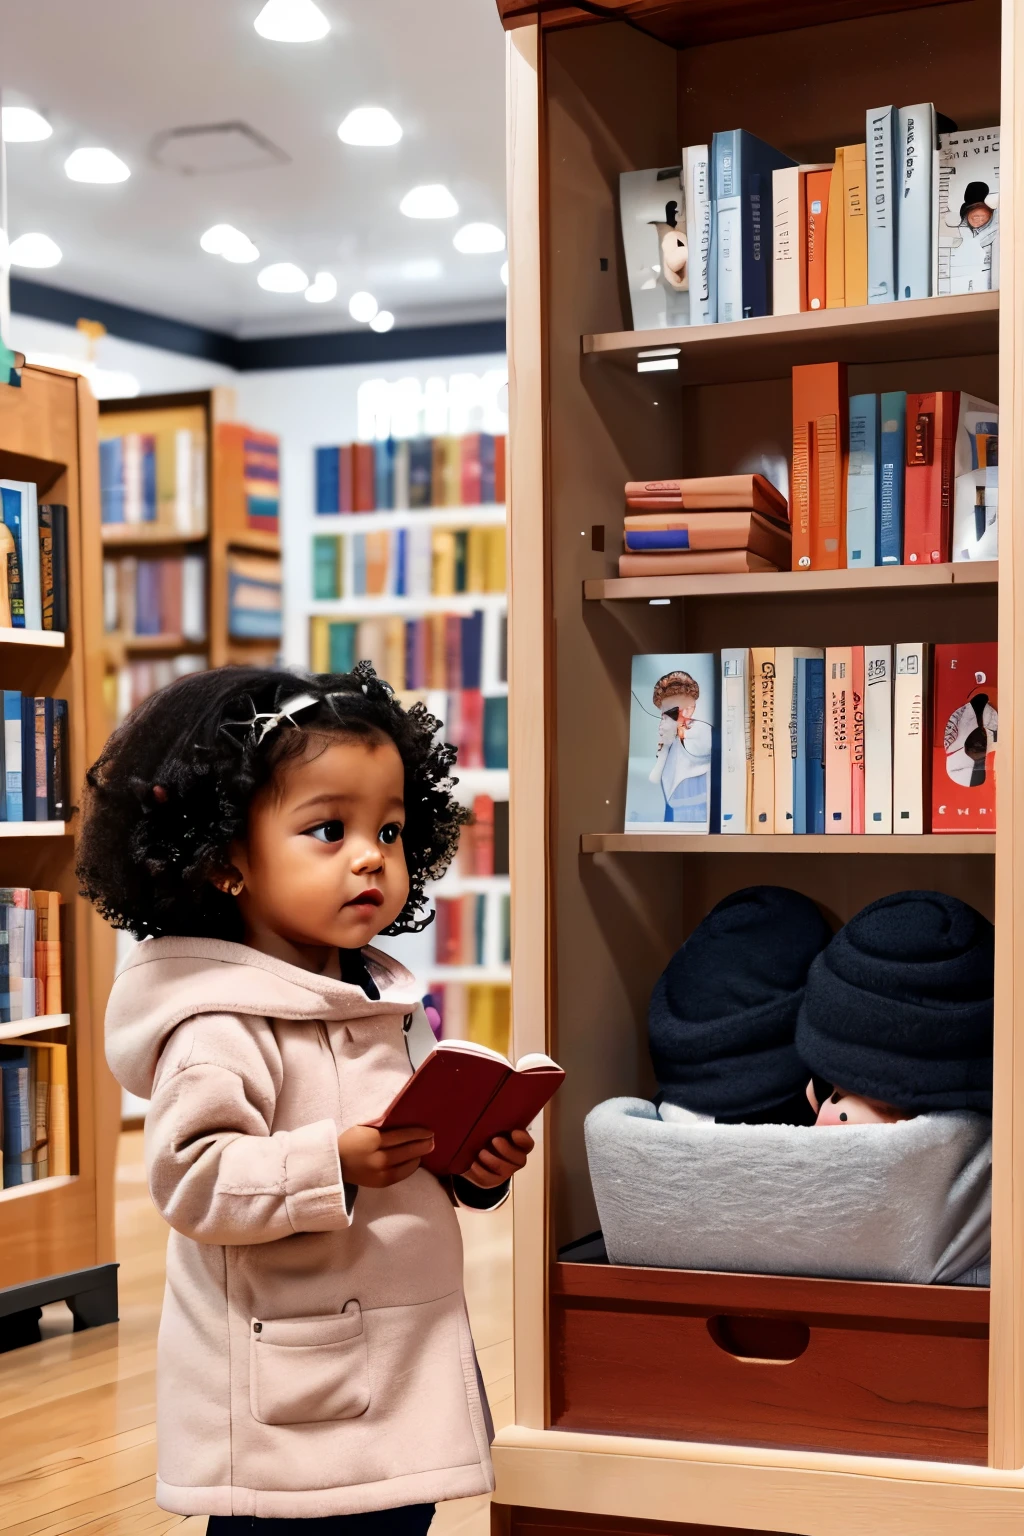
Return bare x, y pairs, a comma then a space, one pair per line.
368, 857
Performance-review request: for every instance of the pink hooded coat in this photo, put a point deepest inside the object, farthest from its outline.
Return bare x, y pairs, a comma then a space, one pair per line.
314, 1355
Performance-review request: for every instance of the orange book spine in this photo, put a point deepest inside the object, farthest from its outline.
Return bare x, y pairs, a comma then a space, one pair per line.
838, 738
816, 191
857, 747
819, 466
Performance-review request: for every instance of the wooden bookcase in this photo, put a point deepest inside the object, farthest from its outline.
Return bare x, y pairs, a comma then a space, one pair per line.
608, 1433
57, 1235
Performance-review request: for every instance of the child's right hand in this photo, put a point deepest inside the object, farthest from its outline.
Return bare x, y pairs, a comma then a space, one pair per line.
376, 1159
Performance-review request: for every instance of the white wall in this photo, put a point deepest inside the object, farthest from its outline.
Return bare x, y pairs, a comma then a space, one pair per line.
153, 370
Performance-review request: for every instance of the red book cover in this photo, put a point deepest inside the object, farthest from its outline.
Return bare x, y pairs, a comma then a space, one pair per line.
346, 487
931, 439
453, 731
453, 650
172, 577
364, 494
499, 469
857, 758
469, 451
467, 1095
448, 944
965, 726
483, 835
471, 753
816, 192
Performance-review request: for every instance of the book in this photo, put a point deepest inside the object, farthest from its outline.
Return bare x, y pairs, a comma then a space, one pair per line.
878, 739
814, 675
363, 477
735, 766
762, 756
383, 474
18, 1117
43, 712
819, 466
12, 504
701, 254
882, 168
891, 476
817, 188
743, 167
467, 1094
111, 480
857, 785
835, 239
862, 502
916, 144
346, 479
967, 226
659, 533
494, 730
30, 556
652, 213
789, 225
327, 467
965, 730
908, 757
672, 778
53, 543
928, 492
976, 480
694, 563
786, 736
855, 224
12, 757
838, 738
709, 493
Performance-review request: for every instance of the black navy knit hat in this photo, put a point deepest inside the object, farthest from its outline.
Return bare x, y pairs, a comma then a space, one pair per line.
723, 1014
899, 1006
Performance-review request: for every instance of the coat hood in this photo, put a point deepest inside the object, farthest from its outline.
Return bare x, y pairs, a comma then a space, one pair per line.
166, 981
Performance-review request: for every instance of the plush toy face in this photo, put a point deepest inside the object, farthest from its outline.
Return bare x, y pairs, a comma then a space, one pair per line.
841, 1108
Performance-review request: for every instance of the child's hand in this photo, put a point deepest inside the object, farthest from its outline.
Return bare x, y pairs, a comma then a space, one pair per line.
498, 1162
376, 1159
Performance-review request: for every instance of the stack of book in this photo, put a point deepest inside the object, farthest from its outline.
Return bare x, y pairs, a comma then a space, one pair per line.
892, 479
33, 1071
747, 231
156, 596
30, 955
400, 473
717, 523
800, 739
480, 1012
409, 562
157, 478
483, 844
33, 559
34, 766
254, 596
127, 686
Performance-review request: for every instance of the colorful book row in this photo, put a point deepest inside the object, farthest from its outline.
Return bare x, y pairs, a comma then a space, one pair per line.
460, 929
34, 563
127, 686
155, 597
440, 650
34, 769
480, 1012
815, 740
402, 473
248, 478
31, 984
745, 230
156, 478
408, 562
34, 1102
254, 597
483, 842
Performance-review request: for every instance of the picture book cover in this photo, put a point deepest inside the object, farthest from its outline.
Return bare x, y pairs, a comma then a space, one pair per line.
968, 211
673, 772
965, 729
652, 210
976, 481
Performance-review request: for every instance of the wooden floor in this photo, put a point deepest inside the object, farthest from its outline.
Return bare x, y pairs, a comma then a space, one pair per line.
77, 1432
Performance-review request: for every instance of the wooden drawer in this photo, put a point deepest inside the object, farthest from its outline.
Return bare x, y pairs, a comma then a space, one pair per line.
828, 1365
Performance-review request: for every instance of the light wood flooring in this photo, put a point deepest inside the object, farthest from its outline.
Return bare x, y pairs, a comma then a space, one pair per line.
77, 1432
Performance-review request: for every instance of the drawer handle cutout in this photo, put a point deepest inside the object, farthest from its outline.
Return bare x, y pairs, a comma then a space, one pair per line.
760, 1340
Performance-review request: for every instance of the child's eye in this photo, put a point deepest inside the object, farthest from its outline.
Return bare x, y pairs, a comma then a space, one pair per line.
328, 832
391, 833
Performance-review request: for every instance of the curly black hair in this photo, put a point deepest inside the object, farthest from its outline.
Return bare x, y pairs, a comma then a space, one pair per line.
172, 788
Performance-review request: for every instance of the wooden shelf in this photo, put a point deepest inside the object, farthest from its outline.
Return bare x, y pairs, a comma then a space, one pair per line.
473, 975
146, 644
35, 829
768, 347
342, 608
882, 578
36, 1026
254, 541
142, 535
38, 1187
48, 639
813, 843
492, 516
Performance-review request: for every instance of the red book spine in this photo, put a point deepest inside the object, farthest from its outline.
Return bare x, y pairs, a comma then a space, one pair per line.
363, 489
472, 753
453, 650
483, 835
469, 449
964, 726
931, 437
499, 469
857, 757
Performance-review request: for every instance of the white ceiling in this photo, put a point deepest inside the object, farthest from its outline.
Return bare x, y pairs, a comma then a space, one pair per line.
119, 72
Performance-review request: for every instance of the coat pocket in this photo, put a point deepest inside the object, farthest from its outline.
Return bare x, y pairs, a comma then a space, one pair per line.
308, 1370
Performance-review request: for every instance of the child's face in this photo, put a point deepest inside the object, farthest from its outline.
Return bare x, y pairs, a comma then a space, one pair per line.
323, 862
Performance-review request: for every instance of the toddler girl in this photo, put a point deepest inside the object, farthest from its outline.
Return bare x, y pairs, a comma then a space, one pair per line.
315, 1367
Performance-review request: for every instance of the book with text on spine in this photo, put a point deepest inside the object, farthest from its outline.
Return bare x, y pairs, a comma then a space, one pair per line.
891, 475
928, 494
838, 738
743, 167
736, 743
855, 225
820, 430
762, 711
862, 483
909, 705
882, 166
878, 739
965, 730
835, 239
789, 223
789, 738
816, 198
857, 786
700, 234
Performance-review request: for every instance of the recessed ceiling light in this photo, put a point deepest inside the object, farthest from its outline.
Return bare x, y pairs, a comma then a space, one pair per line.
292, 21
23, 126
430, 202
362, 306
371, 127
95, 165
478, 239
227, 241
322, 289
283, 277
504, 273
34, 251
424, 270
383, 320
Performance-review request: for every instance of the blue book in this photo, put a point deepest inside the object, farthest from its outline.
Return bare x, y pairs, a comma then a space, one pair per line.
18, 1115
883, 165
384, 475
660, 538
12, 756
891, 478
815, 726
148, 479
342, 647
800, 665
28, 757
13, 502
496, 732
147, 598
410, 652
472, 649
111, 480
401, 539
862, 483
42, 744
743, 167
327, 486
421, 470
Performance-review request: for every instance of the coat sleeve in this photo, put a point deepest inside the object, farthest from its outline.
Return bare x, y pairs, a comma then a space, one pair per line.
216, 1172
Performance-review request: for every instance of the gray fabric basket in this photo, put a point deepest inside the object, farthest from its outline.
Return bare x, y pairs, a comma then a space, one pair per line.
909, 1202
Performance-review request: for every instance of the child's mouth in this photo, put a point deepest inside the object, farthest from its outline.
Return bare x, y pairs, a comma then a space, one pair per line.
370, 898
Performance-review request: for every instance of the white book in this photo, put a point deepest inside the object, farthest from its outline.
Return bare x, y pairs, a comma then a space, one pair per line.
878, 739
198, 483
785, 728
700, 234
183, 479
967, 212
124, 692
735, 758
908, 731
131, 457
729, 236
789, 237
914, 235
193, 598
881, 129
419, 562
110, 596
31, 573
400, 473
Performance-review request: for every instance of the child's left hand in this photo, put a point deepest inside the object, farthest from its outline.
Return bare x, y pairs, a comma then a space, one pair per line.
498, 1162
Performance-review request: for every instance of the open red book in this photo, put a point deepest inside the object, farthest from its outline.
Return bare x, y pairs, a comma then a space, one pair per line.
467, 1094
